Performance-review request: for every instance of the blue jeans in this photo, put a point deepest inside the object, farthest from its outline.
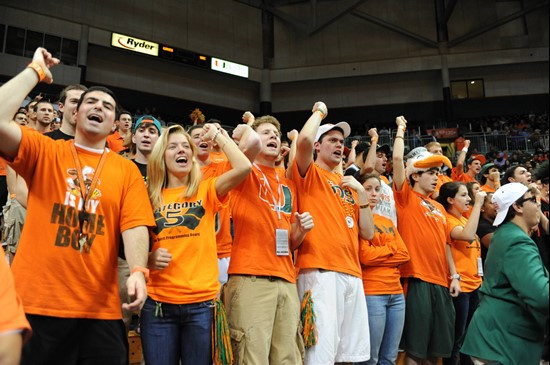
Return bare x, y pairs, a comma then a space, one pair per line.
386, 320
174, 332
465, 305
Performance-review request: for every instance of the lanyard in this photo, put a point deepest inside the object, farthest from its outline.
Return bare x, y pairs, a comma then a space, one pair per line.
84, 215
276, 204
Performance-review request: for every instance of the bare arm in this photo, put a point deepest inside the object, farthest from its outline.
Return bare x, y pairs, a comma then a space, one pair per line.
293, 137
306, 137
468, 232
370, 162
398, 151
136, 247
248, 140
240, 165
486, 240
461, 158
352, 153
454, 286
10, 348
12, 94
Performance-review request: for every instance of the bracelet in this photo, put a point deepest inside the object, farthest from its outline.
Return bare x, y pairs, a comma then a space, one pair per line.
374, 139
215, 135
221, 148
322, 114
465, 149
403, 138
38, 69
363, 206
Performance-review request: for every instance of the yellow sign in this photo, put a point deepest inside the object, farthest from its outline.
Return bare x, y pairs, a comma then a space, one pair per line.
134, 44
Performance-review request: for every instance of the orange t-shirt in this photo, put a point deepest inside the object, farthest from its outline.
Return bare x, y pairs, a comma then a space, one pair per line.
385, 179
442, 179
116, 142
381, 257
218, 156
465, 255
223, 218
51, 275
3, 165
331, 244
185, 227
12, 317
255, 221
423, 226
464, 177
486, 188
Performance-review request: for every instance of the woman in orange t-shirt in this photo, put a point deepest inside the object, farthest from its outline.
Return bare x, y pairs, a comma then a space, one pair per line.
380, 260
466, 251
176, 320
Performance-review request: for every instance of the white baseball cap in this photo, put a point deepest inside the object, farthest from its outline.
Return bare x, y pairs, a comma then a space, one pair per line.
504, 197
344, 126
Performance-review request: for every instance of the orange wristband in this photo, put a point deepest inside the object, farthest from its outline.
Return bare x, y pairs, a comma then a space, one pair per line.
38, 69
142, 269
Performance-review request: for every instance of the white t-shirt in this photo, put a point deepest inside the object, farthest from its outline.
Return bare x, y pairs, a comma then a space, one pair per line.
386, 206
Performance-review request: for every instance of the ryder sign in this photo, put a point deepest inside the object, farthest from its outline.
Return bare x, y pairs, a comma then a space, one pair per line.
134, 44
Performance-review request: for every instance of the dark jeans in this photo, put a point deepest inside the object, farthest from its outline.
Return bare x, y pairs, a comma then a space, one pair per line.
174, 332
465, 305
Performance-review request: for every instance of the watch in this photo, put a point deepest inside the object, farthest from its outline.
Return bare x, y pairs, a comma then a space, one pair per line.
455, 276
142, 269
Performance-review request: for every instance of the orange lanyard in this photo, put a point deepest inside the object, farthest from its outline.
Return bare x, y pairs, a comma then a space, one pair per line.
83, 215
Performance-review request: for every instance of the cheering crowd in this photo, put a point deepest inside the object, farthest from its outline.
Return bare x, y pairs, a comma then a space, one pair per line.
238, 249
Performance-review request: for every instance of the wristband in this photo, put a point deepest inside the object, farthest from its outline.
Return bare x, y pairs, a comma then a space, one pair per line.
38, 69
374, 139
455, 276
400, 137
142, 269
322, 114
465, 149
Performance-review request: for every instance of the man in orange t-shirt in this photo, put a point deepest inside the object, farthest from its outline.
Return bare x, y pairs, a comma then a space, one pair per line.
328, 259
474, 165
81, 197
429, 316
123, 132
261, 297
490, 178
210, 169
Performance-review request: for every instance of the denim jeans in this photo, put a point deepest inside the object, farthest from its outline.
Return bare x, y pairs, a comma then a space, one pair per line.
465, 305
170, 332
386, 320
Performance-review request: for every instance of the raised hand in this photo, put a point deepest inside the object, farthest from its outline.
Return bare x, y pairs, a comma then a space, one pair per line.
46, 61
320, 106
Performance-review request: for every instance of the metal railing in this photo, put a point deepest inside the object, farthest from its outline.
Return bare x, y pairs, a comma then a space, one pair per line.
481, 141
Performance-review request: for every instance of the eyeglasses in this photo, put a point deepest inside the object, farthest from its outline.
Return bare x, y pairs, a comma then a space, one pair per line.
532, 199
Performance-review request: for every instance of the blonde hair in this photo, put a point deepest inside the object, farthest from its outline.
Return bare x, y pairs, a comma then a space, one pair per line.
156, 168
432, 144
